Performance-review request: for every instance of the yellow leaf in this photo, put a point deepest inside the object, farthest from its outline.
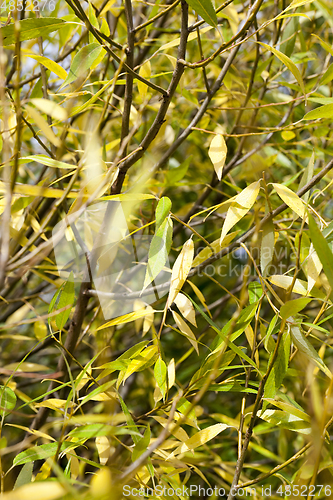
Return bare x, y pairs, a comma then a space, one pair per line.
145, 72
215, 247
101, 484
103, 448
179, 433
148, 320
51, 65
40, 330
186, 308
300, 286
137, 363
313, 267
291, 199
186, 330
251, 339
102, 396
201, 438
55, 404
200, 296
192, 36
180, 270
239, 207
43, 125
288, 62
26, 367
287, 135
43, 490
171, 373
74, 464
126, 318
33, 431
51, 108
217, 153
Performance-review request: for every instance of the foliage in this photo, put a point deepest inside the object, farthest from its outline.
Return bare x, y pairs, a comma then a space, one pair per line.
210, 123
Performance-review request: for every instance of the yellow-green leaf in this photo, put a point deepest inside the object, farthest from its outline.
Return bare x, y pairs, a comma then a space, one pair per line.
242, 203
43, 125
201, 438
126, 318
186, 308
321, 112
51, 108
291, 199
180, 270
49, 64
186, 330
288, 62
214, 248
145, 72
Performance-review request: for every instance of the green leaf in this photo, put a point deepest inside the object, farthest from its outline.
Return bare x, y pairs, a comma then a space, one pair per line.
288, 62
158, 251
279, 369
160, 373
25, 475
90, 431
205, 9
289, 408
327, 76
231, 387
267, 246
293, 307
142, 445
289, 36
304, 346
285, 420
40, 452
269, 343
255, 292
200, 375
162, 210
82, 62
130, 422
242, 324
323, 250
7, 400
321, 112
31, 28
176, 174
66, 298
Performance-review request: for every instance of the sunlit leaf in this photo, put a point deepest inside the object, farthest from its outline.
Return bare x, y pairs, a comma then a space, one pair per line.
186, 308
180, 270
218, 153
201, 438
291, 199
239, 207
186, 330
